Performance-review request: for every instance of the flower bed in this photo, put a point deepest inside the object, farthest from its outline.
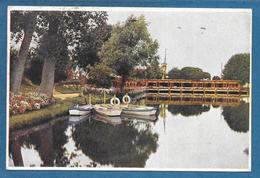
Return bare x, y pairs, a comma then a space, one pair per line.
19, 104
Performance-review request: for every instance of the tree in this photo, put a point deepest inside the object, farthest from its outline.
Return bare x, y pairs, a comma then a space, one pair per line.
13, 58
65, 30
130, 45
90, 40
191, 73
238, 68
22, 25
153, 70
100, 75
53, 47
175, 73
216, 78
35, 66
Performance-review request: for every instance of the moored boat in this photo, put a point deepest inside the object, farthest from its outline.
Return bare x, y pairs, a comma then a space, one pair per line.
80, 110
140, 110
108, 110
129, 117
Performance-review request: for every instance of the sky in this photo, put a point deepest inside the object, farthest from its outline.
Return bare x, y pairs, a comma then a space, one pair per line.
204, 38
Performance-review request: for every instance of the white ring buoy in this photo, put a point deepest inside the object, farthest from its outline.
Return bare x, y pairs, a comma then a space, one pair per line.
114, 101
126, 99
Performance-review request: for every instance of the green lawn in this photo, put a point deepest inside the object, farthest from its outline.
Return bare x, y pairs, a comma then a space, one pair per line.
68, 90
29, 88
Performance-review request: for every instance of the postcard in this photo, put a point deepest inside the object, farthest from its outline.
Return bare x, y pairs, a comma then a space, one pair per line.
129, 89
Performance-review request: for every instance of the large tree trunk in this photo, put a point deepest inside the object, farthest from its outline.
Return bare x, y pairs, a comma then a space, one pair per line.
48, 74
17, 73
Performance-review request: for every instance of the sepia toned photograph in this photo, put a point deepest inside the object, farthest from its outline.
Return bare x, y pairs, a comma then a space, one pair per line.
146, 89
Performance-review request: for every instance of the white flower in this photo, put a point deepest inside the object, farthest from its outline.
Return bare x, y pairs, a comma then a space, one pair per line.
37, 105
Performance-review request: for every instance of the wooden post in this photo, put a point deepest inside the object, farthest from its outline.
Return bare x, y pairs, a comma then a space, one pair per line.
104, 97
89, 98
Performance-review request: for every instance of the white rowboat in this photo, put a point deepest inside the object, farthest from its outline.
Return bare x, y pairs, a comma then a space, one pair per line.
140, 111
80, 110
108, 110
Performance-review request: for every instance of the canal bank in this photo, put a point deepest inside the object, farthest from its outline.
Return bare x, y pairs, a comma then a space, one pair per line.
59, 108
45, 114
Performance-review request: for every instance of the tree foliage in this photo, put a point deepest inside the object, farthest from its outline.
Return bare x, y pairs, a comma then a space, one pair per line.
130, 45
216, 78
100, 75
238, 68
153, 70
75, 34
192, 73
89, 31
53, 44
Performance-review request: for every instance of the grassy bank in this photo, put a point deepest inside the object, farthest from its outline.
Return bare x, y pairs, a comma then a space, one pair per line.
68, 90
60, 108
45, 114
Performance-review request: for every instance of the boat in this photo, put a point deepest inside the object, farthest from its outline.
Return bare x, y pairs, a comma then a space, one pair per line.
80, 110
140, 110
108, 110
129, 117
116, 120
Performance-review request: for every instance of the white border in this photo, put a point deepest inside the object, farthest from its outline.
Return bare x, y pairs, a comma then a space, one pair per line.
122, 9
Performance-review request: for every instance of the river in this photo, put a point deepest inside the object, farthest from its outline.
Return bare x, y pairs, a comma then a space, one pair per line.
183, 137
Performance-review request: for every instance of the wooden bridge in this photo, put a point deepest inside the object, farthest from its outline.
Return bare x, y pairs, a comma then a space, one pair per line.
167, 87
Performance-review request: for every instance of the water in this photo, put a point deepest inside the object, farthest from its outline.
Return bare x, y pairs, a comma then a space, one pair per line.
183, 137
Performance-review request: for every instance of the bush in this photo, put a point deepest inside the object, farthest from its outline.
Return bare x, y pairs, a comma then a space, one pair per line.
19, 104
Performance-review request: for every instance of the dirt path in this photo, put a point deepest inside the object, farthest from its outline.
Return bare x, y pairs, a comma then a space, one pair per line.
62, 96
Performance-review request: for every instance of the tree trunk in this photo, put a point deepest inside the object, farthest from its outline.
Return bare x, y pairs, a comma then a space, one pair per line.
17, 73
48, 74
123, 81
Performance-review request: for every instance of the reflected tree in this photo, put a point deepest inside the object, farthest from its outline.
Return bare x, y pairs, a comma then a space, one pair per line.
15, 152
60, 139
215, 106
127, 145
237, 118
48, 141
188, 110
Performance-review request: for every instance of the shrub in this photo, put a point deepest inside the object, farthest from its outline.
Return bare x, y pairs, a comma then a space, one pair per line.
19, 104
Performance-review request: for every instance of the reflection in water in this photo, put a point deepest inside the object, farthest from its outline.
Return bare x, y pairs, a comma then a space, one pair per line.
139, 142
43, 141
237, 117
188, 110
126, 145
